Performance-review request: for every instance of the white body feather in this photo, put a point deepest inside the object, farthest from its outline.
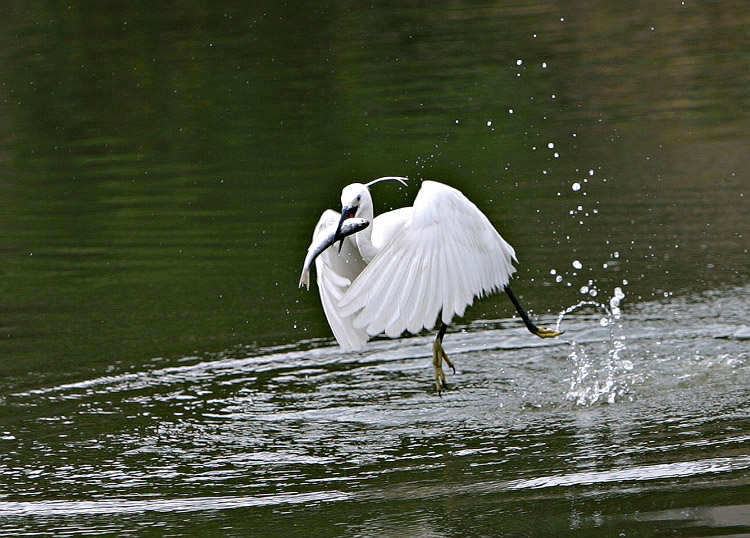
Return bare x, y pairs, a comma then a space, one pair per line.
410, 265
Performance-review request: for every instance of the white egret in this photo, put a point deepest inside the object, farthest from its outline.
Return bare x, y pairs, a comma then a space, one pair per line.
408, 266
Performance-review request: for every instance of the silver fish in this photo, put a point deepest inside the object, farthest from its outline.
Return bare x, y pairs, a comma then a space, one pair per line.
324, 240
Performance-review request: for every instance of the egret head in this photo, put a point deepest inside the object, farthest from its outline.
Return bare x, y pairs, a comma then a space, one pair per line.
355, 198
357, 202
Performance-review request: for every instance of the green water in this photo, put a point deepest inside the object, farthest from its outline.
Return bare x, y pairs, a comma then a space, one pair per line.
162, 168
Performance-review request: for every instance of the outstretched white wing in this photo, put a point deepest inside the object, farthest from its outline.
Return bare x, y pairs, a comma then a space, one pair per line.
335, 273
440, 259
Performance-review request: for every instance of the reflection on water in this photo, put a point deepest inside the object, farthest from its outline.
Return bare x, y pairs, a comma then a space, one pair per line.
161, 170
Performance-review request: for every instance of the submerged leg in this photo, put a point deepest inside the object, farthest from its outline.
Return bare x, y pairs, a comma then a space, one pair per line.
438, 356
541, 332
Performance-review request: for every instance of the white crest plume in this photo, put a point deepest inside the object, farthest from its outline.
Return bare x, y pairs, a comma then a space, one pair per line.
401, 180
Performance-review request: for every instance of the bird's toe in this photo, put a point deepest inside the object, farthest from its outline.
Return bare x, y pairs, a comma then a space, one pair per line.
543, 332
438, 356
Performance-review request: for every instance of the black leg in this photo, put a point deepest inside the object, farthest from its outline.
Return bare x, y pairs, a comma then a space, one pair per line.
533, 329
521, 312
441, 332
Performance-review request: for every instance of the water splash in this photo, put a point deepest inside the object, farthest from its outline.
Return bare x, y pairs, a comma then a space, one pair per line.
598, 376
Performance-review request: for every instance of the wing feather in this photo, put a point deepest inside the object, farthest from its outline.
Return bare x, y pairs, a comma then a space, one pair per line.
443, 257
375, 320
420, 290
407, 294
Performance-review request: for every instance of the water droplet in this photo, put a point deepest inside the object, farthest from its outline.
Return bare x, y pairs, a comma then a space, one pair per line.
577, 264
489, 123
558, 278
576, 186
584, 290
519, 62
550, 145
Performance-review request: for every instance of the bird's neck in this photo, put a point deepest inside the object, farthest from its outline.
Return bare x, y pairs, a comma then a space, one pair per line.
364, 238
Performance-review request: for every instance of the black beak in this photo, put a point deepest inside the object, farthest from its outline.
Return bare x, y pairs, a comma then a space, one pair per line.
346, 212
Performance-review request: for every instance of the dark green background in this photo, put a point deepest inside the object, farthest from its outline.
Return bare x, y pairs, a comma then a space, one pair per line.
163, 165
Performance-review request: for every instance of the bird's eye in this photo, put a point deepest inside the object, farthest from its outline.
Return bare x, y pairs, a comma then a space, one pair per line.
358, 198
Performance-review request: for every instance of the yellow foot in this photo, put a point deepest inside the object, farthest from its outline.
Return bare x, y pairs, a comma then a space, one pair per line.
438, 356
543, 332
